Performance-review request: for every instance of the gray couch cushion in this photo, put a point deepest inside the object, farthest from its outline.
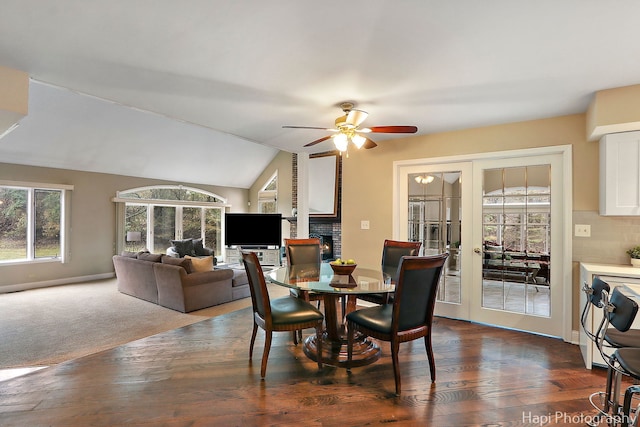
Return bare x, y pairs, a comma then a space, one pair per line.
182, 262
148, 256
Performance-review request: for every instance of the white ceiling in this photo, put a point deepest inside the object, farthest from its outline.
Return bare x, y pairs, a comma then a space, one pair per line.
221, 76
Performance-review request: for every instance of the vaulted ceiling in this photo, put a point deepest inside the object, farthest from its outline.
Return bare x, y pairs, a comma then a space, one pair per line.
198, 91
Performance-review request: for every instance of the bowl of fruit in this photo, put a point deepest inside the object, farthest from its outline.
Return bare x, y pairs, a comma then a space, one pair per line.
341, 266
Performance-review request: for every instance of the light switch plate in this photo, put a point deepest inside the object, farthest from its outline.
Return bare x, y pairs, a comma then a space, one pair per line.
364, 224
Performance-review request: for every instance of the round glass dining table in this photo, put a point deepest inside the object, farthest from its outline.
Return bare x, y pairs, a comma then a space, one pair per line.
321, 279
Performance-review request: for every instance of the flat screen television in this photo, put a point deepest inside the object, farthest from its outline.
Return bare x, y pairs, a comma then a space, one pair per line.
253, 229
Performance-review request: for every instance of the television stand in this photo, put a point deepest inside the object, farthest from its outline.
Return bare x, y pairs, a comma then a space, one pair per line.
265, 256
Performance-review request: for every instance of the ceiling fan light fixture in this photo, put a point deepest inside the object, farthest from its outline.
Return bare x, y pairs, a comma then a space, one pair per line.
340, 140
355, 117
358, 140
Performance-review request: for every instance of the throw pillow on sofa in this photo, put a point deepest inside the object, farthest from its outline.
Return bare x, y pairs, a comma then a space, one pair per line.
199, 248
182, 262
201, 264
184, 247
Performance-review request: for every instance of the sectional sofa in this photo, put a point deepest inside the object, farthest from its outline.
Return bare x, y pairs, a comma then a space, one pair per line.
173, 283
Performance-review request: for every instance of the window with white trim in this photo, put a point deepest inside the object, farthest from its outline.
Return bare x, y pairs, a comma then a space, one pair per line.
32, 222
153, 216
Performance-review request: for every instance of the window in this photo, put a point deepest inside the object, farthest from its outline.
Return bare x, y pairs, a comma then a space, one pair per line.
32, 222
517, 214
153, 216
268, 196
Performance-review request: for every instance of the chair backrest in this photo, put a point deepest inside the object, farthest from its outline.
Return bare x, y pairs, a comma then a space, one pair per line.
304, 257
597, 286
393, 251
257, 285
416, 289
623, 310
619, 311
303, 251
594, 293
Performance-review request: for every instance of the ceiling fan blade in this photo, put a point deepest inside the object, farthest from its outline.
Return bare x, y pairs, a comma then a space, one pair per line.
394, 129
355, 117
369, 144
317, 141
305, 127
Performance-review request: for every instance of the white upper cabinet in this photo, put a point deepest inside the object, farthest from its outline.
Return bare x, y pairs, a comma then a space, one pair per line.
620, 174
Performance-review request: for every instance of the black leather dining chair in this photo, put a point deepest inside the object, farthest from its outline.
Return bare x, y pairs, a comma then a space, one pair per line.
619, 311
392, 252
410, 315
282, 314
304, 257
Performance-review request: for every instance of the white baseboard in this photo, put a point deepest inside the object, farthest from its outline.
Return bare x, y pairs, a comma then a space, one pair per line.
56, 282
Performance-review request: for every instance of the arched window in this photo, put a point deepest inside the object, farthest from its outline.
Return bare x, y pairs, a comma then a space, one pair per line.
150, 217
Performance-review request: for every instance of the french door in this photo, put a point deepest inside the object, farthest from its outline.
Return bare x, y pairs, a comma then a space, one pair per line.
504, 220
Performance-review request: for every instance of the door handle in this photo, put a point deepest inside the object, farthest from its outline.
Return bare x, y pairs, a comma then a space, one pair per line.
477, 250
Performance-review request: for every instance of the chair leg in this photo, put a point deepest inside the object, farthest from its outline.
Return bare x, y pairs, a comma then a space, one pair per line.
626, 407
350, 334
265, 354
253, 340
319, 344
612, 393
432, 362
395, 349
295, 337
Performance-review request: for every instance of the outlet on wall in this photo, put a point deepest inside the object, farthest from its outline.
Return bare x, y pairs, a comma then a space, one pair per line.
364, 224
582, 230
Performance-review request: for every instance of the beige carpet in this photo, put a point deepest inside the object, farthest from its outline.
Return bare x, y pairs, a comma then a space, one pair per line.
42, 327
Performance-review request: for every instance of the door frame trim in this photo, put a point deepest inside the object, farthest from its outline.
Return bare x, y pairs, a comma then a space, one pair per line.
400, 168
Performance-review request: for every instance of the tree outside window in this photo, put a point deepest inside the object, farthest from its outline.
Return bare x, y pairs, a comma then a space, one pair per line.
30, 223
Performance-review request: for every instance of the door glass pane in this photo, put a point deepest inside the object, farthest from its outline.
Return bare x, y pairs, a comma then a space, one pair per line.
47, 223
516, 216
164, 225
435, 220
191, 223
135, 227
213, 230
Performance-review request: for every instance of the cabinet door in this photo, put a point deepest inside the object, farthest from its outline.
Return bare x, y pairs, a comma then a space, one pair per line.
620, 174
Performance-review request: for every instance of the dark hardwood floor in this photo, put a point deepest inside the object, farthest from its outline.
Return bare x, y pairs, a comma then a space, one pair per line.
200, 375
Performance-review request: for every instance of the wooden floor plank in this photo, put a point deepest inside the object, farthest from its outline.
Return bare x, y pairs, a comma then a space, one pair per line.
200, 375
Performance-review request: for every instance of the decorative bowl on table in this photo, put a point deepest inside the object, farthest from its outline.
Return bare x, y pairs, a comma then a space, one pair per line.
345, 269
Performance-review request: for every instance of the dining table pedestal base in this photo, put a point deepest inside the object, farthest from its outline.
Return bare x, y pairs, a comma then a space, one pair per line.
334, 339
334, 353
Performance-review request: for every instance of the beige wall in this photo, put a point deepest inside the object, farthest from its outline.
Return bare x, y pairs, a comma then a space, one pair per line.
373, 169
283, 164
93, 220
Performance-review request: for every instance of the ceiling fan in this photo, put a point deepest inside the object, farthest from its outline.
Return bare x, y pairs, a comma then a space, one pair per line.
348, 129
